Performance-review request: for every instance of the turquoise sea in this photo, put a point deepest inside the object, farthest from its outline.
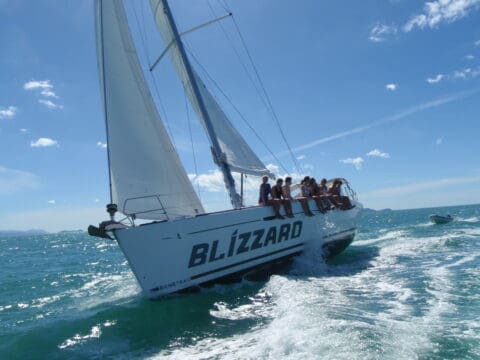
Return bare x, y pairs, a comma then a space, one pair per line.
405, 289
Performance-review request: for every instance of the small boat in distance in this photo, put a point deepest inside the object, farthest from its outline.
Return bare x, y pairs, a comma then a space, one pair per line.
440, 219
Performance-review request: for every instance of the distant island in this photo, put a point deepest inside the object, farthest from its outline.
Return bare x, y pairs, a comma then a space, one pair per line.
23, 232
31, 232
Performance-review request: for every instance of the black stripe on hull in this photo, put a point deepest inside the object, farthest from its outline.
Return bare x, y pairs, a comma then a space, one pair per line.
245, 261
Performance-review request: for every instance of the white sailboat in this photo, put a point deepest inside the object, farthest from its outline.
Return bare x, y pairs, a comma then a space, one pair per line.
182, 246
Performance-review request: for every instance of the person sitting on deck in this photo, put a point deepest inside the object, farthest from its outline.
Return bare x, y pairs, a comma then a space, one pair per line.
277, 195
340, 201
319, 200
265, 197
287, 195
305, 187
265, 190
323, 187
323, 193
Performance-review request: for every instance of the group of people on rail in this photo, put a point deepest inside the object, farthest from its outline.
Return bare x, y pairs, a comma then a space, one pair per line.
326, 198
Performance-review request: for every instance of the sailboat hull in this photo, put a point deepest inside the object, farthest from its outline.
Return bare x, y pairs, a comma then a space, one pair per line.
167, 257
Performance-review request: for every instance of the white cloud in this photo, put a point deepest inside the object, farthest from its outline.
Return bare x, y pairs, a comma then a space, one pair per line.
12, 180
34, 84
51, 202
46, 91
469, 57
462, 74
391, 87
49, 93
439, 141
8, 112
378, 153
435, 79
50, 104
477, 43
467, 73
43, 142
101, 145
212, 181
380, 32
301, 157
357, 162
440, 11
274, 169
23, 130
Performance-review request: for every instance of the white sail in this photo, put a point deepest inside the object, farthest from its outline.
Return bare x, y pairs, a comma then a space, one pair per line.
147, 177
236, 152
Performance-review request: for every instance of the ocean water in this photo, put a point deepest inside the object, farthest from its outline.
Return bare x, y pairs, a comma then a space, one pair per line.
405, 289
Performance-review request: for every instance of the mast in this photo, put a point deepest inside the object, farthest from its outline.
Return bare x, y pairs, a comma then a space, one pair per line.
100, 29
218, 155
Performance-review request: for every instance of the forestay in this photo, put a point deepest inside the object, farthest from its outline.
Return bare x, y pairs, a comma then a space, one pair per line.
236, 152
147, 177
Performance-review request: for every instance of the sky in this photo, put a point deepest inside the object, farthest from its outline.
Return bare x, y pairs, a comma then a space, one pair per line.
383, 93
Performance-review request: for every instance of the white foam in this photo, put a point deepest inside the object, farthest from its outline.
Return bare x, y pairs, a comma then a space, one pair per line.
258, 308
95, 332
472, 232
427, 224
470, 219
41, 302
465, 260
387, 235
311, 261
104, 288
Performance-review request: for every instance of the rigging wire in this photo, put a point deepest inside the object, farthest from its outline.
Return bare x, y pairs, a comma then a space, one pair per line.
270, 106
230, 42
143, 38
234, 107
192, 144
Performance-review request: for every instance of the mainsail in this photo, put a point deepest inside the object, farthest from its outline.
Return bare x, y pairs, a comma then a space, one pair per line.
234, 150
146, 175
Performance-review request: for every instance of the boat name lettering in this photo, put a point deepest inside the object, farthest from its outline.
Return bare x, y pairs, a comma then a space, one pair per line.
241, 243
